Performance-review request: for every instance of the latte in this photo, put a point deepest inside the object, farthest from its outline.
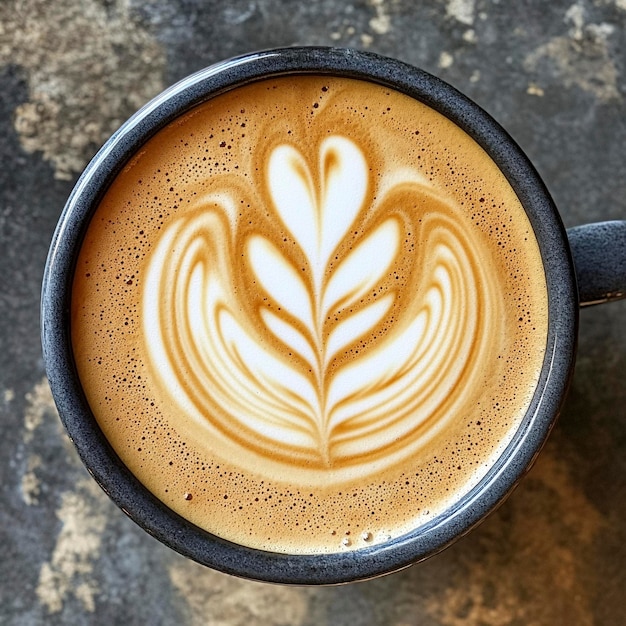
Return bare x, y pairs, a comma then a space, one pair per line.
309, 314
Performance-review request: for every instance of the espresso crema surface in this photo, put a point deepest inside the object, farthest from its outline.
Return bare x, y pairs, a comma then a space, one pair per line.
310, 314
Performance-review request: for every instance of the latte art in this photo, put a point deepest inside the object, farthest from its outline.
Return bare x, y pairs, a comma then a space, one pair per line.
309, 314
351, 374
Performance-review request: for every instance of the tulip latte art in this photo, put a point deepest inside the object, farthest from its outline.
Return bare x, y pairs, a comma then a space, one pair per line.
309, 314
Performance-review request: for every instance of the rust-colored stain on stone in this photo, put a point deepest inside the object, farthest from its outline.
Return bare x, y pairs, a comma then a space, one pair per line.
526, 565
89, 66
581, 58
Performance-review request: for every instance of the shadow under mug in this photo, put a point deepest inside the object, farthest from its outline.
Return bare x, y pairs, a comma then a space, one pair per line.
595, 272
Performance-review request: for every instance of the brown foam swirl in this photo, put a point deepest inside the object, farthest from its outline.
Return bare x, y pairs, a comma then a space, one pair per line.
277, 385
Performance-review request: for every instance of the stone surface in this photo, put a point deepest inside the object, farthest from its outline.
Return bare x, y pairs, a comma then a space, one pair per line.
554, 74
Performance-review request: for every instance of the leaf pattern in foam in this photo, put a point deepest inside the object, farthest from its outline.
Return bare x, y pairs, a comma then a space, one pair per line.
363, 268
289, 335
422, 363
356, 325
318, 224
293, 194
280, 279
206, 356
221, 369
271, 377
344, 181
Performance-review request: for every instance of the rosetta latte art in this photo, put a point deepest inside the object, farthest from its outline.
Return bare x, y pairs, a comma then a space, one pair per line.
330, 373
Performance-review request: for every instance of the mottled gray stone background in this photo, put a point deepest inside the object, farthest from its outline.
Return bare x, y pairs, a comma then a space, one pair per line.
553, 73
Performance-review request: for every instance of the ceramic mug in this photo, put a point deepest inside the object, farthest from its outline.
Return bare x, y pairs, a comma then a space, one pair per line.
586, 265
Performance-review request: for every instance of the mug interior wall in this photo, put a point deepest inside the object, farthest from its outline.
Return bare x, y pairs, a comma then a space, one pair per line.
147, 510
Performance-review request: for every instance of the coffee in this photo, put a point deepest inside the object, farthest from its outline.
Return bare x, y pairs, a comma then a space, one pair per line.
309, 314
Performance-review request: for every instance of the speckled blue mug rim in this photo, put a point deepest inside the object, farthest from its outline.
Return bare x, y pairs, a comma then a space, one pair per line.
149, 512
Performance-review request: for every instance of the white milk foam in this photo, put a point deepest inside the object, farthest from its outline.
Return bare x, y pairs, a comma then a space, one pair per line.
309, 311
243, 389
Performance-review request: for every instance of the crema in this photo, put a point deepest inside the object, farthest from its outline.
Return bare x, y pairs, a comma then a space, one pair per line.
309, 314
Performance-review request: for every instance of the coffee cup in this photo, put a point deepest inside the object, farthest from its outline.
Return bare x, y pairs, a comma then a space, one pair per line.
310, 315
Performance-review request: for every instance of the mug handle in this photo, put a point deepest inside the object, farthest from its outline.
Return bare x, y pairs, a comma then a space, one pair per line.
599, 252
